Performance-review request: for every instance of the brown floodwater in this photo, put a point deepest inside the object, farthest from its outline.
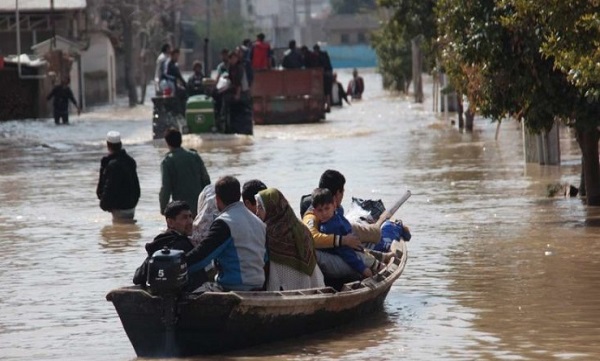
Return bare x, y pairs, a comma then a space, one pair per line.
496, 270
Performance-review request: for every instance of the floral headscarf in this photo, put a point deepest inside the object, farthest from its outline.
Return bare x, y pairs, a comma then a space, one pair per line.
288, 240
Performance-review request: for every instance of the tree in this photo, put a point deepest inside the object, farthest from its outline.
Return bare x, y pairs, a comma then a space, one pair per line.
352, 6
572, 38
392, 43
227, 32
393, 56
492, 51
151, 22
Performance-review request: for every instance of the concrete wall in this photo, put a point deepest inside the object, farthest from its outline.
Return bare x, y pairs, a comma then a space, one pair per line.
352, 56
20, 98
99, 70
543, 148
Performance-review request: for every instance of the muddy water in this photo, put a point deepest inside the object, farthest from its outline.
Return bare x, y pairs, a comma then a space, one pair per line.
496, 270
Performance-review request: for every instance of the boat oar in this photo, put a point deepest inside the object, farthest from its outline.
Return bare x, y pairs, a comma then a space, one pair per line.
388, 213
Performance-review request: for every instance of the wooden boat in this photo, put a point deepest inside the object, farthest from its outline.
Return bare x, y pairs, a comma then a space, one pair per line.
214, 322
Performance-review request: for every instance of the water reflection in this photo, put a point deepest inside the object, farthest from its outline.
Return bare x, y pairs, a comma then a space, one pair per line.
120, 236
351, 342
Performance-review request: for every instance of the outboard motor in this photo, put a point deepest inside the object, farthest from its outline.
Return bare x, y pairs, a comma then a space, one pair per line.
167, 272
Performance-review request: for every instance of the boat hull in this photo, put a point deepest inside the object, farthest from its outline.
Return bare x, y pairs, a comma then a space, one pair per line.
217, 322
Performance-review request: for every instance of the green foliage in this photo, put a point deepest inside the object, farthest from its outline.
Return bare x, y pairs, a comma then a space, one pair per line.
410, 18
492, 53
352, 6
225, 33
572, 38
394, 57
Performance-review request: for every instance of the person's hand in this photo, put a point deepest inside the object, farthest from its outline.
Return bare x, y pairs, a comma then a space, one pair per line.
367, 273
351, 241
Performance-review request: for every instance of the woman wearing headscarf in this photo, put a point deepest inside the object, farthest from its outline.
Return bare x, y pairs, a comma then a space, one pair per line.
207, 212
293, 264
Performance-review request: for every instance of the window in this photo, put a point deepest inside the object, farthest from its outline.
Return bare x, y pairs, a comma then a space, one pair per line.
345, 39
362, 38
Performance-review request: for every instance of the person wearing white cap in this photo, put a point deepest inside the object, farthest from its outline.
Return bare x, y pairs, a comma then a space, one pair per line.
118, 185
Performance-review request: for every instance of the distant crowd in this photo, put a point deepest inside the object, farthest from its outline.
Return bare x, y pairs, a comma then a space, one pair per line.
235, 72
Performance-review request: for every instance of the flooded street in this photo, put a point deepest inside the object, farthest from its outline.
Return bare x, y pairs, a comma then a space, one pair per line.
496, 270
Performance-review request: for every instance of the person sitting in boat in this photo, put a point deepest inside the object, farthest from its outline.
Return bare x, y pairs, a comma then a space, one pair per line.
335, 181
337, 93
179, 227
333, 266
194, 83
292, 259
207, 213
332, 222
236, 240
249, 190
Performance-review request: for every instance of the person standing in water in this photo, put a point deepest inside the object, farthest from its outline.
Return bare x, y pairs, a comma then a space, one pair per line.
356, 86
183, 173
61, 94
118, 185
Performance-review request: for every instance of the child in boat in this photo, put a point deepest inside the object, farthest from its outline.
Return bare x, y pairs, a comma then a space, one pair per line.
332, 222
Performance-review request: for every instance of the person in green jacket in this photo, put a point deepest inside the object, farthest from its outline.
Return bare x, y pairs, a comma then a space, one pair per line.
183, 173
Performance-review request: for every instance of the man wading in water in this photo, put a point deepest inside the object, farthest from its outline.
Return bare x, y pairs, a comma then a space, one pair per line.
62, 94
118, 185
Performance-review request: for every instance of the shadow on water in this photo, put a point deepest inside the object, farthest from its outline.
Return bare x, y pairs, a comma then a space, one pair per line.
363, 333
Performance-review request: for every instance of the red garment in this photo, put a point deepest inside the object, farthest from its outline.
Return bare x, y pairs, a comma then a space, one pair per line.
356, 87
261, 54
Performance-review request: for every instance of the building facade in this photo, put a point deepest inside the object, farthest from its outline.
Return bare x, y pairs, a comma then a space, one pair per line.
49, 28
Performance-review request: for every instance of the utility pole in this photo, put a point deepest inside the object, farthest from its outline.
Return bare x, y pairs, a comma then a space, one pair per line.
307, 24
207, 67
295, 21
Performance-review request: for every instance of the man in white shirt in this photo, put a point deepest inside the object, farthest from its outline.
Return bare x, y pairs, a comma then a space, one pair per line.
160, 67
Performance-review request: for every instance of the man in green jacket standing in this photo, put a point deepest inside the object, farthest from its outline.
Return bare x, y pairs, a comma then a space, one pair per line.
183, 173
